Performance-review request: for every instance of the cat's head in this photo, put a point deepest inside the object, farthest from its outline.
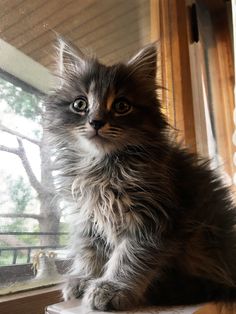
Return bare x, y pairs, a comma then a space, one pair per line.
101, 109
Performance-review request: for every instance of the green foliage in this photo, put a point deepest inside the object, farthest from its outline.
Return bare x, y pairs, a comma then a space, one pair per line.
7, 257
63, 227
20, 101
16, 226
20, 194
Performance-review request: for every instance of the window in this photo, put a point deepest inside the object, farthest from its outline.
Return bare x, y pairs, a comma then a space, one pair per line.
32, 226
31, 216
211, 62
197, 72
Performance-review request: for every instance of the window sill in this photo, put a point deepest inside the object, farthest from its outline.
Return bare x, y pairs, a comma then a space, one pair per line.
32, 284
19, 278
36, 301
75, 307
30, 302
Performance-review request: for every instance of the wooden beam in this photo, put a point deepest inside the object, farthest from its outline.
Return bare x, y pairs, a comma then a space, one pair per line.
176, 75
155, 20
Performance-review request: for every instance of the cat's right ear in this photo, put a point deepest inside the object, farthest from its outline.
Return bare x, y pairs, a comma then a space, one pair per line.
145, 61
70, 58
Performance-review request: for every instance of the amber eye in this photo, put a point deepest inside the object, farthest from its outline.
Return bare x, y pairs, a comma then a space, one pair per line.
122, 106
79, 105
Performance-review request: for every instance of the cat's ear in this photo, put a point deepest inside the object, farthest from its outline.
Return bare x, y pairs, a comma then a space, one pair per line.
69, 57
145, 61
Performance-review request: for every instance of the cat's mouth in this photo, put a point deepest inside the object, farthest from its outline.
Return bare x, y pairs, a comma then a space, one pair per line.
96, 136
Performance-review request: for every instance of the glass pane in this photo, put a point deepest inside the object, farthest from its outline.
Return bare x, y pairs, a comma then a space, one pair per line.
31, 215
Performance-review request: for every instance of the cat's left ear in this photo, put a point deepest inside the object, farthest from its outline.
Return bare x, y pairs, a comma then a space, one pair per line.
70, 57
145, 61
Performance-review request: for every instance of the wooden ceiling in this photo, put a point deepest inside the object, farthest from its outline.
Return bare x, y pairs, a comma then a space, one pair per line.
114, 29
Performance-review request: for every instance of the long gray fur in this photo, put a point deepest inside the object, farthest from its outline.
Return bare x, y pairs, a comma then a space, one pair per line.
152, 223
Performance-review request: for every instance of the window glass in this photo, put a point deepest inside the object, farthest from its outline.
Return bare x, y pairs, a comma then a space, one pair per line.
31, 217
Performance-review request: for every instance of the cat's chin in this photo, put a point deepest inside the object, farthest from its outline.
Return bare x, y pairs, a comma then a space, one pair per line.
97, 146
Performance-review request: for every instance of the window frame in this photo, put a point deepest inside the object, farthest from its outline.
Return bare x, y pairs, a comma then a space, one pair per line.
30, 302
221, 74
171, 24
20, 66
177, 95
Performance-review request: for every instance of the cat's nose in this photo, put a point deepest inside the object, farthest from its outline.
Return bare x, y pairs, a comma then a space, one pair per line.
97, 124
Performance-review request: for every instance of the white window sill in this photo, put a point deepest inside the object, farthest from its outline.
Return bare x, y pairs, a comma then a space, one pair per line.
75, 307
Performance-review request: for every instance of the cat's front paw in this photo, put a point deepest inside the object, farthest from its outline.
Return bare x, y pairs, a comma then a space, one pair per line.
74, 288
105, 295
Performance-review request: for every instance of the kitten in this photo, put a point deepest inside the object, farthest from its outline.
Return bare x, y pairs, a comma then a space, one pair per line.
152, 223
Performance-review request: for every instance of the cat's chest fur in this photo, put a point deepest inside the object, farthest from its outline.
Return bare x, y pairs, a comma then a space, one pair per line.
104, 194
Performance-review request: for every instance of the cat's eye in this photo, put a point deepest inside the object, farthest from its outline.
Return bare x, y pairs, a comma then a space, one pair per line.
79, 105
121, 107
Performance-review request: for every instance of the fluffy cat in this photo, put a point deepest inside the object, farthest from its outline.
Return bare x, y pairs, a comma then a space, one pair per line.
152, 223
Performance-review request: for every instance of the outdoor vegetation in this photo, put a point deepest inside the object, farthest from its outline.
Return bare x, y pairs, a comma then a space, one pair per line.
29, 201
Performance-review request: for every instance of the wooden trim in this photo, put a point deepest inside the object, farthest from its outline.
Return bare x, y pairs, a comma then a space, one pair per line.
32, 302
199, 87
18, 82
155, 20
176, 76
187, 81
213, 82
223, 72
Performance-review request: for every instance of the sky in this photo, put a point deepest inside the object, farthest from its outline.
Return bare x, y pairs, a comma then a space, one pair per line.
10, 164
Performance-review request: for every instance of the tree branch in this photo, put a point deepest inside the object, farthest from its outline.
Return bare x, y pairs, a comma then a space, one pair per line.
9, 149
25, 162
20, 152
18, 134
21, 215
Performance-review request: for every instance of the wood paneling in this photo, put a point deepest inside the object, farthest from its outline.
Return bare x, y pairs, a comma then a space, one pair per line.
87, 32
47, 20
19, 35
7, 6
16, 18
112, 28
